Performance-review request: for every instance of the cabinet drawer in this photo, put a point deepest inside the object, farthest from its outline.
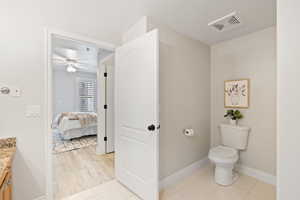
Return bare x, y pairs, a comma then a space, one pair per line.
6, 188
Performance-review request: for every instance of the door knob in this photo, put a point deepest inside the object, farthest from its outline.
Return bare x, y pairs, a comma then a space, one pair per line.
151, 127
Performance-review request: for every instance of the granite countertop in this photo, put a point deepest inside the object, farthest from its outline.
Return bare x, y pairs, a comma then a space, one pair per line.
7, 151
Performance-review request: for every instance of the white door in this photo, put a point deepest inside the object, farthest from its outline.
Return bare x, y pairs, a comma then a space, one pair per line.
137, 115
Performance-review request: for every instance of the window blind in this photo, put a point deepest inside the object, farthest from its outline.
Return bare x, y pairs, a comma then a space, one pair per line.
87, 96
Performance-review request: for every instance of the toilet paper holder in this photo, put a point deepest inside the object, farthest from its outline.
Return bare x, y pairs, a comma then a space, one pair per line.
188, 132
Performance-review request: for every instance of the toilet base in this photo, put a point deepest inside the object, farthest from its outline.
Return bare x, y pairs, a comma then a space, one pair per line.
224, 175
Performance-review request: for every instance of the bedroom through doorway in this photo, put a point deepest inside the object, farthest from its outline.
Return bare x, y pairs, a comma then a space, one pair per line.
82, 120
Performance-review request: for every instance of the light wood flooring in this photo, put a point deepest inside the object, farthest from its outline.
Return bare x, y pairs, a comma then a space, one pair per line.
111, 190
78, 170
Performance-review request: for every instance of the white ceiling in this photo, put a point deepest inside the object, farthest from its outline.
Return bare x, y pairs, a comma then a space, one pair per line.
192, 16
189, 17
108, 19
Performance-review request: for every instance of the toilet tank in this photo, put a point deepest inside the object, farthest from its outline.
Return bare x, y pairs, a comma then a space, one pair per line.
234, 136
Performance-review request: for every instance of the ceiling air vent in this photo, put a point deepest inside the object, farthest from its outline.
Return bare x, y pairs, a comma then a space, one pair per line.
227, 22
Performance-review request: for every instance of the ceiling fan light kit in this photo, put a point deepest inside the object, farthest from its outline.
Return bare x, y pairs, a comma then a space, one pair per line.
71, 69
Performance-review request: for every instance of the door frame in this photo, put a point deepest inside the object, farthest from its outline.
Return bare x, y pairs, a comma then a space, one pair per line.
108, 94
48, 103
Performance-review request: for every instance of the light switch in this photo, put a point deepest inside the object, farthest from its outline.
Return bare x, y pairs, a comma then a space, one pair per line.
33, 111
15, 92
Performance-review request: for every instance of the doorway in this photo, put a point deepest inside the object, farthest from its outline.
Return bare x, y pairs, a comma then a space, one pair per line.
135, 124
80, 154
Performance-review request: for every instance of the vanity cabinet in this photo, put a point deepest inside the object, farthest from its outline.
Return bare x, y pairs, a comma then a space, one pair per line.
7, 152
6, 187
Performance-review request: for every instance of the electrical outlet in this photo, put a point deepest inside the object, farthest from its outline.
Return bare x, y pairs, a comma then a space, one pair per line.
15, 92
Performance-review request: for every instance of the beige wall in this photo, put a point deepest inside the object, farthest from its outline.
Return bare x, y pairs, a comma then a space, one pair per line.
184, 96
288, 99
184, 100
252, 56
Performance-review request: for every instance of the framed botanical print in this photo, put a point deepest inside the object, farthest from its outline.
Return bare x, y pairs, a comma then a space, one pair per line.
236, 93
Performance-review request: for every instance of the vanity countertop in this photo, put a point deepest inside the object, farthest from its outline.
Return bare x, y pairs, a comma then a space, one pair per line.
7, 151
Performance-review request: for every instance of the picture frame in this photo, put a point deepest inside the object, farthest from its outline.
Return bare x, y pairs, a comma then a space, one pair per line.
237, 93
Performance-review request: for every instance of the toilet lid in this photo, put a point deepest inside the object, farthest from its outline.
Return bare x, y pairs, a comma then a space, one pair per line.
223, 153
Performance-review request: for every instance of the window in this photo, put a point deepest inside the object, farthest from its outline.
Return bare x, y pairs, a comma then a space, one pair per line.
87, 95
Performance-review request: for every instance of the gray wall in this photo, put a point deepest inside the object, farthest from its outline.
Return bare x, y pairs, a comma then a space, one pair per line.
184, 100
64, 90
252, 56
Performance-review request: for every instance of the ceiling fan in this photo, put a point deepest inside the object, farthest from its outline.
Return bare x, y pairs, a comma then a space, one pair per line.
71, 64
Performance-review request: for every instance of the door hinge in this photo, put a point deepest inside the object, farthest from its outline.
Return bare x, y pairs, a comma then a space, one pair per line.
105, 106
105, 138
105, 74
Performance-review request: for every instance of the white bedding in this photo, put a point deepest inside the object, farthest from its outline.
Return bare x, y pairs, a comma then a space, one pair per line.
67, 124
70, 128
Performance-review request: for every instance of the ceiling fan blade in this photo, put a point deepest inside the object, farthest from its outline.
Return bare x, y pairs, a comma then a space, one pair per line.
66, 53
81, 67
58, 52
85, 63
58, 57
59, 62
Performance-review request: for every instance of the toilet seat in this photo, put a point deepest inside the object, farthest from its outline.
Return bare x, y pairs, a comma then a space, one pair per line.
223, 154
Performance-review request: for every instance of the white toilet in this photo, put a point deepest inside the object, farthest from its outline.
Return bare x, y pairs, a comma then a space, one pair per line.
234, 138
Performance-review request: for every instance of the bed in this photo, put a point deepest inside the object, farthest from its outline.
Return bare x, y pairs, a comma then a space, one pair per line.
75, 124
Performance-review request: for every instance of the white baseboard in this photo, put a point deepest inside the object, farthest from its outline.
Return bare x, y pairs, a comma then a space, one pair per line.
260, 175
41, 198
179, 175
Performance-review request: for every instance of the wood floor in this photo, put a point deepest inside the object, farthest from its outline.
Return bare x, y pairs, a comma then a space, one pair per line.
79, 170
111, 190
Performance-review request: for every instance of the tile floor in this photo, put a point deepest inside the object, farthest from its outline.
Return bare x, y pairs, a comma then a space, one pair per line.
199, 186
